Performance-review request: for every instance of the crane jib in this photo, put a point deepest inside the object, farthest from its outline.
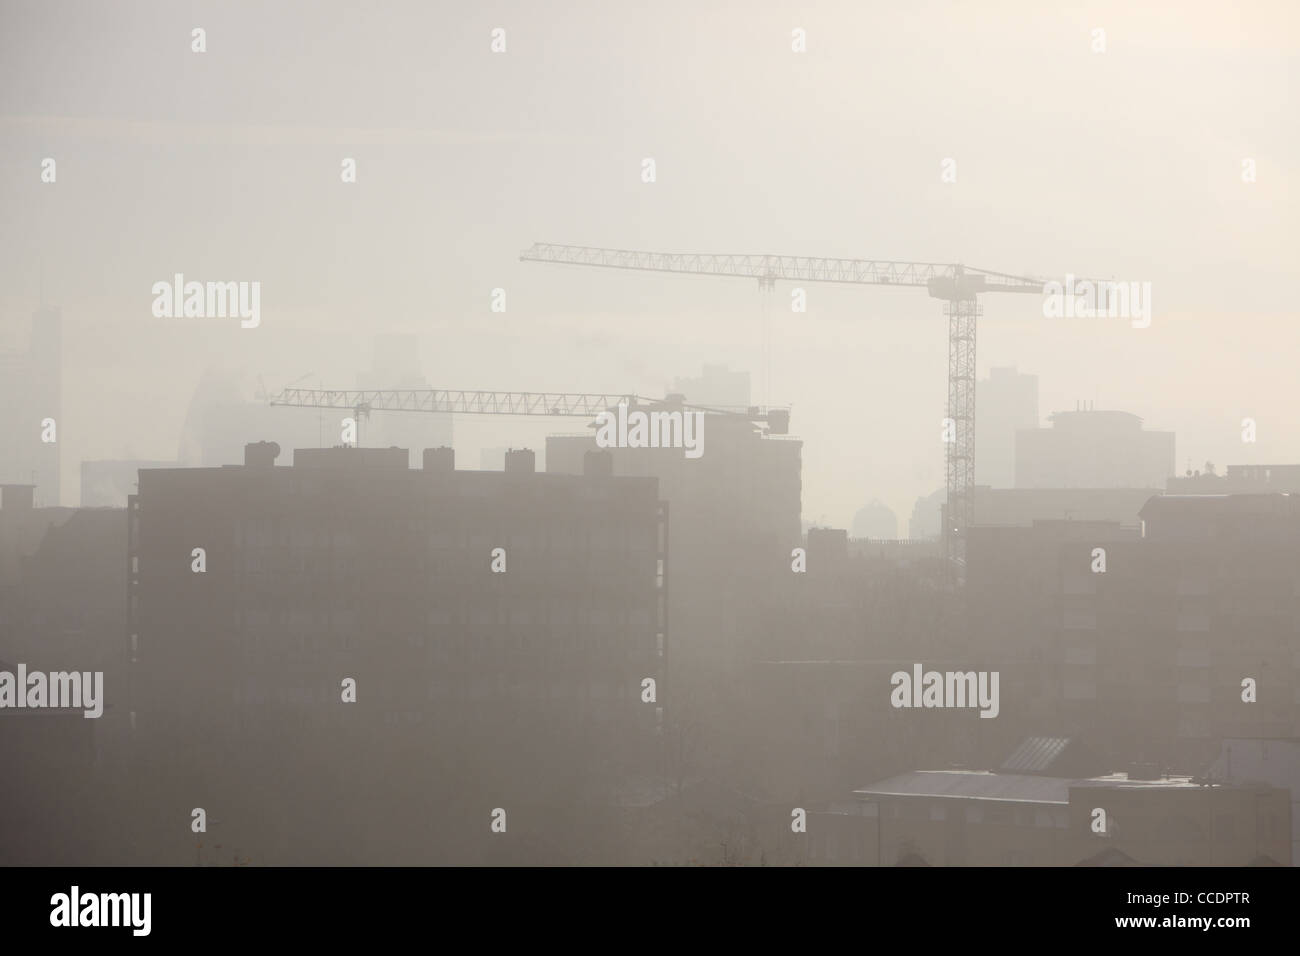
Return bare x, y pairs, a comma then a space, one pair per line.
958, 285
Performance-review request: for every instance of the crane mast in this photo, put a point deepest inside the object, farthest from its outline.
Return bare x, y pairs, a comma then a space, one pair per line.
959, 286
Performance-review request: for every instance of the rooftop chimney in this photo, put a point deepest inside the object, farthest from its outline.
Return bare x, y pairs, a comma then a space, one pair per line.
520, 461
440, 459
260, 454
598, 463
828, 549
17, 497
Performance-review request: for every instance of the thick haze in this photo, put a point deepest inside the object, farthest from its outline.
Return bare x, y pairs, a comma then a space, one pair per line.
225, 166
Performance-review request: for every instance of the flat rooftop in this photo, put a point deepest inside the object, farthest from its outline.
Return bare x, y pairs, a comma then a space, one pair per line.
1006, 787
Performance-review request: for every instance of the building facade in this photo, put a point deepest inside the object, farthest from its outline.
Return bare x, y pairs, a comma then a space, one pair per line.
1093, 449
464, 637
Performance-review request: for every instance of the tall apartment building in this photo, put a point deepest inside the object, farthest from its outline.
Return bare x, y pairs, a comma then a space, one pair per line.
1005, 402
497, 626
1022, 609
1147, 658
62, 608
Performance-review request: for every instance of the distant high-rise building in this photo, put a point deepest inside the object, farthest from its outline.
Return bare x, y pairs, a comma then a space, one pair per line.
396, 364
1093, 449
223, 414
734, 517
717, 387
875, 520
31, 394
1005, 402
926, 516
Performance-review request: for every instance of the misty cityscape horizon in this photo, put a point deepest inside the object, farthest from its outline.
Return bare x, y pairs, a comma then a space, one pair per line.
607, 435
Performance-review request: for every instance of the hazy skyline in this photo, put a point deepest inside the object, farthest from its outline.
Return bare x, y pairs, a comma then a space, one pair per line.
225, 166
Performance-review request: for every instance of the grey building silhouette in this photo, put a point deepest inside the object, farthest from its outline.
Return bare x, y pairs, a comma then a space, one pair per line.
473, 686
1005, 402
1093, 449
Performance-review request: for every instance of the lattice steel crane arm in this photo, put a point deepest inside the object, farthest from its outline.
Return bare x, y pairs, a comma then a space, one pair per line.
945, 280
469, 402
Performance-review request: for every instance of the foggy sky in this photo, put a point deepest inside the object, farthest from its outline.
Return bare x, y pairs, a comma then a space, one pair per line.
225, 166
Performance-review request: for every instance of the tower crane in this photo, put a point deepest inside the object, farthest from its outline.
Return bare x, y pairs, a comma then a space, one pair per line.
957, 285
361, 402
